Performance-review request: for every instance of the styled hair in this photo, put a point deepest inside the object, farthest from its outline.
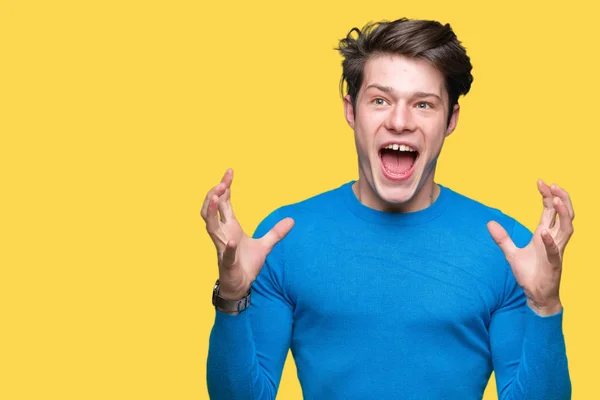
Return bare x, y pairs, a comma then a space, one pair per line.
426, 40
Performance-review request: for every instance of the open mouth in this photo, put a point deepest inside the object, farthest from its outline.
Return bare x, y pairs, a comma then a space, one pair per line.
398, 159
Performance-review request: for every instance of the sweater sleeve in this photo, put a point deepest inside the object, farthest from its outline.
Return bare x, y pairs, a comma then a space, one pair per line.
528, 350
247, 351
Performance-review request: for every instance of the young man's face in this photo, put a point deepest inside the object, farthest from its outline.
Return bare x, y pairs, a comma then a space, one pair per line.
402, 102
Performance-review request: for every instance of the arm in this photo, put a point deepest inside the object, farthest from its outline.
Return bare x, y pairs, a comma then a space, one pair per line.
528, 350
526, 338
247, 351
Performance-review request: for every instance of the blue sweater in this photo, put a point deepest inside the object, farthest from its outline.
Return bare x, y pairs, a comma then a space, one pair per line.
379, 305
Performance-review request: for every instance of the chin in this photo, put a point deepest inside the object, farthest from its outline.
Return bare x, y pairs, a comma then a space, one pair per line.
394, 192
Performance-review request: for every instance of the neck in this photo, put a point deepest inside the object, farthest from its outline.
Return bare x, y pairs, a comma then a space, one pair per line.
423, 197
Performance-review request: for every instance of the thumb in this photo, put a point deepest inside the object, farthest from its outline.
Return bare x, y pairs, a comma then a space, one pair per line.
502, 239
278, 232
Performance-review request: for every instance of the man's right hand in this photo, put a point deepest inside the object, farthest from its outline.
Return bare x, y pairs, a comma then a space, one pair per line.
240, 257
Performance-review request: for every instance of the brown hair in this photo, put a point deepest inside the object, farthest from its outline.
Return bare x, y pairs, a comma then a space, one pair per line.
427, 40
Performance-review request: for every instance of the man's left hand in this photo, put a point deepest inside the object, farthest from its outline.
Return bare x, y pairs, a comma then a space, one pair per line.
538, 266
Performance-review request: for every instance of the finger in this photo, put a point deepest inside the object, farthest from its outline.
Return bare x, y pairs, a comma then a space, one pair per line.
225, 209
277, 233
564, 196
217, 190
565, 221
229, 254
212, 218
552, 250
227, 178
502, 239
549, 213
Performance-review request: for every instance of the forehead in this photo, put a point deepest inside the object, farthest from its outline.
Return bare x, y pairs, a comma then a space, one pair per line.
403, 74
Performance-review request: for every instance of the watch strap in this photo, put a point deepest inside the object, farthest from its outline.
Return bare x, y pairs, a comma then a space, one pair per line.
230, 305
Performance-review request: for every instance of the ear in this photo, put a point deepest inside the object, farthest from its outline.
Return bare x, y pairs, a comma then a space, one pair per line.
453, 119
349, 111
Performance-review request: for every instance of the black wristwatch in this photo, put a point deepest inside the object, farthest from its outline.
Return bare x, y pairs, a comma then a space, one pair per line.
229, 305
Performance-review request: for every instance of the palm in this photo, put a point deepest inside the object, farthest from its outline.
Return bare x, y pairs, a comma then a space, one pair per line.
240, 256
537, 267
227, 230
533, 270
251, 255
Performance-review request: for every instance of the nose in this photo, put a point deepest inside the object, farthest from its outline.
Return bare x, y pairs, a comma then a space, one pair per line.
400, 119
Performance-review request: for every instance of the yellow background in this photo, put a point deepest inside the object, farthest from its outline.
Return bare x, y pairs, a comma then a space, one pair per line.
116, 117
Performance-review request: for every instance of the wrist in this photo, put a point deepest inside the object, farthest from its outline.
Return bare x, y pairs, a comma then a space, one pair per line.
232, 289
233, 295
545, 308
230, 296
230, 302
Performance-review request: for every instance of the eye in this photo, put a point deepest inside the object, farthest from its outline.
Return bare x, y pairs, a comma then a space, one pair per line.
424, 106
379, 101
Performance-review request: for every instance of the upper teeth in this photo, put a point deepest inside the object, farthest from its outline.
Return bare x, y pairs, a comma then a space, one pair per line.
401, 147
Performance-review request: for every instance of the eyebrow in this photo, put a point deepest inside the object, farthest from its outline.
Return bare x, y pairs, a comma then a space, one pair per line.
390, 90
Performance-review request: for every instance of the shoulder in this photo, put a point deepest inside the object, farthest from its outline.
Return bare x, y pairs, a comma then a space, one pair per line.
469, 213
315, 210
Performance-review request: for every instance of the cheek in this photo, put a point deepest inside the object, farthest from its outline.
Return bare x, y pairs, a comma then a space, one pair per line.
361, 135
366, 129
435, 134
362, 145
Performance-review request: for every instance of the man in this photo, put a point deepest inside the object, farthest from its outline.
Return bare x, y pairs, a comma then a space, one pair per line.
392, 287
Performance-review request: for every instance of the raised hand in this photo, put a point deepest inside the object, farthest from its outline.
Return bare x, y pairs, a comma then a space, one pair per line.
240, 257
538, 266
